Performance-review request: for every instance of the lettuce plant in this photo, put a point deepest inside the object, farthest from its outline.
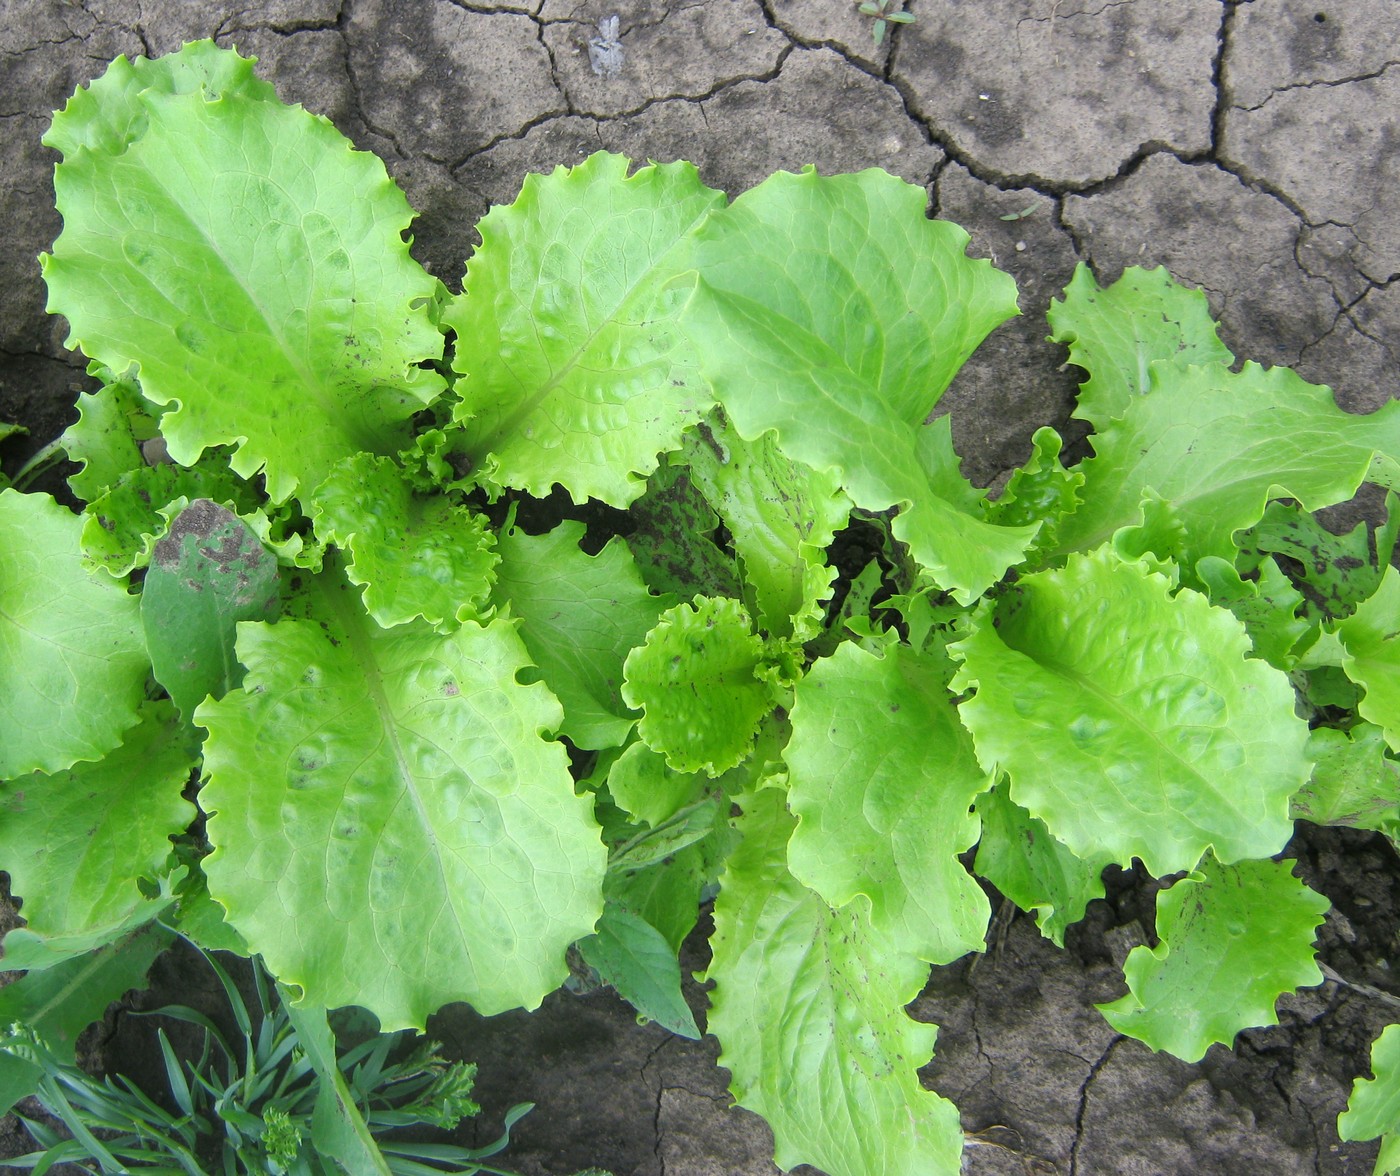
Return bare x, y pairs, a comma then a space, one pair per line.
503, 628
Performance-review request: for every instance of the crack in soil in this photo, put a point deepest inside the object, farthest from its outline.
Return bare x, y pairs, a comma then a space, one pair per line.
1083, 1106
1323, 83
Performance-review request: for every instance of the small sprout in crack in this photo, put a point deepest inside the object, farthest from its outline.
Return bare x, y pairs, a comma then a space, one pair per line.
1025, 212
605, 54
880, 10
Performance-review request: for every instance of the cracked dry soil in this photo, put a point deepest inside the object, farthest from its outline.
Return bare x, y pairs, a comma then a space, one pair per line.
1250, 146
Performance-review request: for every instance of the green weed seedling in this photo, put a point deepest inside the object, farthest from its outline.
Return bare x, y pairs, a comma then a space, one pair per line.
279, 1098
502, 628
884, 14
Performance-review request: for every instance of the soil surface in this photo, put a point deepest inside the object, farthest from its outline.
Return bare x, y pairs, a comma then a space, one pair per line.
1252, 148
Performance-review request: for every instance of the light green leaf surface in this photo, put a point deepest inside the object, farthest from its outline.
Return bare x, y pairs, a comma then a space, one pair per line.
1038, 873
74, 843
72, 661
1354, 782
833, 312
576, 373
391, 827
642, 784
108, 114
881, 775
1374, 1106
280, 311
1215, 446
106, 438
414, 556
1116, 333
209, 573
122, 525
808, 1006
580, 617
1232, 940
1129, 719
696, 681
634, 957
780, 514
1039, 491
1371, 638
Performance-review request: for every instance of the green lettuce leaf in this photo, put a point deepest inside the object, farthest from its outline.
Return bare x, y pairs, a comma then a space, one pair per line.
1116, 333
642, 784
75, 842
58, 1004
1371, 639
414, 556
581, 616
1335, 572
264, 259
125, 521
209, 573
881, 777
831, 311
634, 957
106, 439
391, 827
1208, 448
697, 681
1233, 939
808, 1006
674, 536
1039, 491
1034, 870
1268, 606
1354, 782
1374, 1106
1131, 720
576, 373
781, 516
73, 664
108, 114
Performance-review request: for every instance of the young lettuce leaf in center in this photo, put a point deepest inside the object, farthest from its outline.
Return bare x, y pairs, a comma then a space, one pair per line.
833, 312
